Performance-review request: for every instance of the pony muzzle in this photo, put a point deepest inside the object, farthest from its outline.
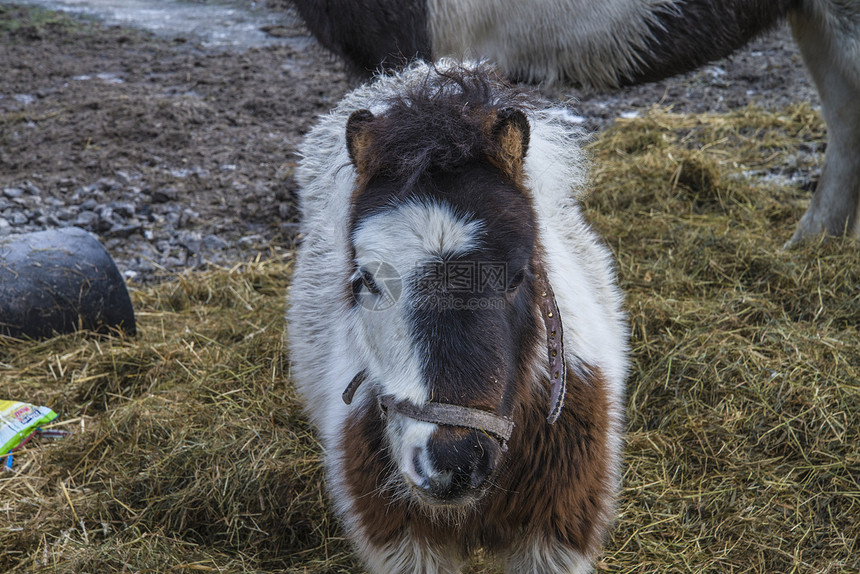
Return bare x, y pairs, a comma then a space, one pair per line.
453, 465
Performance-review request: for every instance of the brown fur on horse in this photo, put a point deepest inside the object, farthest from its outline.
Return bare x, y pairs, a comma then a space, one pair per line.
556, 480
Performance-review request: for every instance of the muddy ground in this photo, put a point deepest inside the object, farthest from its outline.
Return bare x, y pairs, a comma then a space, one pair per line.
176, 155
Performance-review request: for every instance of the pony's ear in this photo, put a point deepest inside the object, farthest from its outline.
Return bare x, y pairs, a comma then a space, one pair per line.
357, 139
511, 132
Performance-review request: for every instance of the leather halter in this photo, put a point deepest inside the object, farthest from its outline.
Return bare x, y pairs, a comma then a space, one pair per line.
554, 345
471, 418
453, 415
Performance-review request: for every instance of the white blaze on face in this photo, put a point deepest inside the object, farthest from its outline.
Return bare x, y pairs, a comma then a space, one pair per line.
405, 239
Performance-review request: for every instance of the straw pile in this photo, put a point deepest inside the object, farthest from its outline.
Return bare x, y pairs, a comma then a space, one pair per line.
190, 452
743, 450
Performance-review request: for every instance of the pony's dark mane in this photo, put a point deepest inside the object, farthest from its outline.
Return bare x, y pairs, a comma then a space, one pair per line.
441, 124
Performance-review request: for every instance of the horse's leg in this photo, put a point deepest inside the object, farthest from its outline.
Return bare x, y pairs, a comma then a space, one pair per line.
545, 556
829, 39
408, 555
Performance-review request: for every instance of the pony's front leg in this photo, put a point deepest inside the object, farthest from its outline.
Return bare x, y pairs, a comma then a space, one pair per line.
409, 556
546, 556
830, 44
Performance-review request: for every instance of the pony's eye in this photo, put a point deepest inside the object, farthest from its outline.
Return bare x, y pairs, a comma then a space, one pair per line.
516, 280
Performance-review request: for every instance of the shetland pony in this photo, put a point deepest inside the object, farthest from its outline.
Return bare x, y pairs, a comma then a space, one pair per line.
455, 329
609, 43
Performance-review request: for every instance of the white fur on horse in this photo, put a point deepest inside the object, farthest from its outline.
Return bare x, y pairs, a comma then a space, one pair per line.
547, 51
556, 166
329, 341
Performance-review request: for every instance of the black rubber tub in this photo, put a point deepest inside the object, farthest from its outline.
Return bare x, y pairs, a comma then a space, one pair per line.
59, 281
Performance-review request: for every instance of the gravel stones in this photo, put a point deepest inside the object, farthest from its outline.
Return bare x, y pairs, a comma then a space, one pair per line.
153, 222
189, 159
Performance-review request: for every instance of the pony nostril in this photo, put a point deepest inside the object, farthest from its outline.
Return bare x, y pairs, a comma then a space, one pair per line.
441, 483
455, 471
484, 466
414, 470
479, 475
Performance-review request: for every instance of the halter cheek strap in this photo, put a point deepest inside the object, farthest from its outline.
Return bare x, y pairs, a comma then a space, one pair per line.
554, 345
349, 392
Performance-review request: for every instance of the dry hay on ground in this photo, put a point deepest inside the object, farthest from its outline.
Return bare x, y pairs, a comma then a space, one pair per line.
191, 454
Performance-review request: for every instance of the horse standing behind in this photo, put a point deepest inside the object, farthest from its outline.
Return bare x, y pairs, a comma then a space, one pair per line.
455, 329
609, 43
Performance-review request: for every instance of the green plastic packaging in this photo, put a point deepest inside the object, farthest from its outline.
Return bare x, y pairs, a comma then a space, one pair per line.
18, 421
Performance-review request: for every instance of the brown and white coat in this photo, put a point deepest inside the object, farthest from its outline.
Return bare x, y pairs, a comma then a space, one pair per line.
432, 167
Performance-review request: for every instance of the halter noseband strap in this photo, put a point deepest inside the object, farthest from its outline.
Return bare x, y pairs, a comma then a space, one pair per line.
440, 413
453, 415
467, 417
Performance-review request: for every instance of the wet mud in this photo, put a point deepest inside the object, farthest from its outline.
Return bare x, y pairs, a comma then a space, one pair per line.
178, 151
